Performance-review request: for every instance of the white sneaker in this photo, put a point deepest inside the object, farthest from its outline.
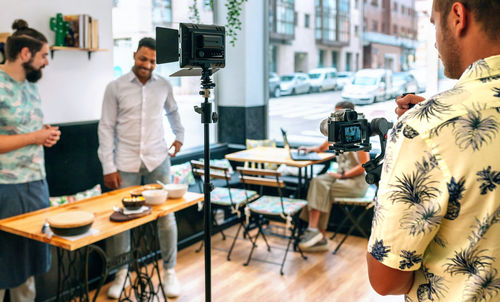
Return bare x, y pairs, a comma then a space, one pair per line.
115, 289
171, 285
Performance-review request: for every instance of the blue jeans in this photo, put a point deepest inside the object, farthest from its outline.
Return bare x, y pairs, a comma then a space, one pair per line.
167, 226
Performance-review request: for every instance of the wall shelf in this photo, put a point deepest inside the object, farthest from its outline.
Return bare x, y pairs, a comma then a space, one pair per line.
88, 50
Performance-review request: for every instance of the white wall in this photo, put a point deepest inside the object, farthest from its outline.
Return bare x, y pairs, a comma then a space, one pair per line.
241, 83
72, 86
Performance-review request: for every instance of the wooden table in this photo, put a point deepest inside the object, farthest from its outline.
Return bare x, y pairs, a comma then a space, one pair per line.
30, 224
278, 156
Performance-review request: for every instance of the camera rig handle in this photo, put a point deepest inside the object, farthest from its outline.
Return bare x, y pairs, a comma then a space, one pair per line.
373, 168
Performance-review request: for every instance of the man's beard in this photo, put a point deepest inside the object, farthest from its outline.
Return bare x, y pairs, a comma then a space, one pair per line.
451, 56
32, 74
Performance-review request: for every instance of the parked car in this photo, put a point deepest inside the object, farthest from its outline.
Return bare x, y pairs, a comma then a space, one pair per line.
421, 78
274, 85
344, 78
403, 82
369, 86
295, 83
323, 79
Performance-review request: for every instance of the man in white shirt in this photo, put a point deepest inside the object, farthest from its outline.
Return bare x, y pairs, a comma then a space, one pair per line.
133, 150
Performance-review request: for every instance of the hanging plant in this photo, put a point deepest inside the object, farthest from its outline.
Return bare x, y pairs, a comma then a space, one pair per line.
195, 13
234, 9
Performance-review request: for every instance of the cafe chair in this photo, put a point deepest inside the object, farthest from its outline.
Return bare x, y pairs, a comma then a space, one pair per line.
354, 207
223, 197
271, 206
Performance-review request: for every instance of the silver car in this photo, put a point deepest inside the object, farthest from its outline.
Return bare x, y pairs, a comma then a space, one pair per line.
274, 85
344, 78
295, 83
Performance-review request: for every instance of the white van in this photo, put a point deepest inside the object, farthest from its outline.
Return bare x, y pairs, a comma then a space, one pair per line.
369, 86
323, 79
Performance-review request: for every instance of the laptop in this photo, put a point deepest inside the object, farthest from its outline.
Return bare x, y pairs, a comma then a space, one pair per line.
294, 154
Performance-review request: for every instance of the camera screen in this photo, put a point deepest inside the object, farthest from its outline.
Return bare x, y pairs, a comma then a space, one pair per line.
352, 134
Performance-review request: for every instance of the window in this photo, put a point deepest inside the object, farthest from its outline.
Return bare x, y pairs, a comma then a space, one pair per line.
161, 12
348, 59
395, 6
285, 17
375, 2
295, 19
273, 58
307, 18
344, 21
356, 30
326, 27
357, 61
383, 27
395, 30
364, 25
334, 59
374, 25
321, 54
356, 4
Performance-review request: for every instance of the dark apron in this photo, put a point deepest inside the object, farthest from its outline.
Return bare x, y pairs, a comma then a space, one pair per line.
21, 257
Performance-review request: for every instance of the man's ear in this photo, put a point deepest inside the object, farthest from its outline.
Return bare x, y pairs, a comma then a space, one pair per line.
458, 19
25, 54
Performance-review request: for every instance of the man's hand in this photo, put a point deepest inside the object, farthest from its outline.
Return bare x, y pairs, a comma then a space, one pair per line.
47, 136
307, 149
177, 147
335, 175
405, 101
113, 180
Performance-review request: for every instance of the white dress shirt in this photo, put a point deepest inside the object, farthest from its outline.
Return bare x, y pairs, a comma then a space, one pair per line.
131, 126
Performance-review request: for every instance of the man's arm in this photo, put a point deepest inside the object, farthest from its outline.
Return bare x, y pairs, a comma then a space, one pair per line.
386, 280
174, 119
106, 132
47, 136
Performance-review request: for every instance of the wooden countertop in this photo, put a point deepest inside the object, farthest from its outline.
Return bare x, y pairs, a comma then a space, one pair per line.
30, 224
274, 156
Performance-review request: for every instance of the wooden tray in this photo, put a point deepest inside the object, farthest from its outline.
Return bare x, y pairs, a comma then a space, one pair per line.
119, 216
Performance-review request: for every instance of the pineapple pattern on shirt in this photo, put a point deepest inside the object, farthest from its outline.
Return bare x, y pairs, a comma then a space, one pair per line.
20, 112
438, 206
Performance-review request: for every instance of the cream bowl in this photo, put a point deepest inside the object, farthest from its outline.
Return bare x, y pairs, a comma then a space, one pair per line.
155, 197
176, 190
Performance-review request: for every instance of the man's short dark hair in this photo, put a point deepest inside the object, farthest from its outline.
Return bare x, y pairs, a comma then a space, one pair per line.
485, 12
23, 36
147, 42
345, 105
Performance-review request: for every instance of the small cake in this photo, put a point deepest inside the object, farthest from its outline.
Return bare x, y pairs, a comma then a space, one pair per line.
133, 202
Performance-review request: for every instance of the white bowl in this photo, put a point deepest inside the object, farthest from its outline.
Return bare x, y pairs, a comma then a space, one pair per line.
176, 190
155, 197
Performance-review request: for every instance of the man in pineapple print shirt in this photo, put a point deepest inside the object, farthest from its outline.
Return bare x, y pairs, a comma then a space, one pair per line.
437, 219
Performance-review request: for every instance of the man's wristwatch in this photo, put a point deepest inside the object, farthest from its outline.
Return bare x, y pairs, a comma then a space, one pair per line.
342, 174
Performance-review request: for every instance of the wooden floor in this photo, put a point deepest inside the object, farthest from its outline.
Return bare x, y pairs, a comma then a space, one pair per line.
322, 277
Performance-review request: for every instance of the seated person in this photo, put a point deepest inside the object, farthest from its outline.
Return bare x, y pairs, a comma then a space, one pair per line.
348, 181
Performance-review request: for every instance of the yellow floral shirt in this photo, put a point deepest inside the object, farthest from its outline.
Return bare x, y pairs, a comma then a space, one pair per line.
438, 208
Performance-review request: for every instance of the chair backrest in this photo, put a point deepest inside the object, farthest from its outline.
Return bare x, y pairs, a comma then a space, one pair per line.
263, 178
216, 172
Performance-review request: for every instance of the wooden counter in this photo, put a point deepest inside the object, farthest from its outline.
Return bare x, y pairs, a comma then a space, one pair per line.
30, 224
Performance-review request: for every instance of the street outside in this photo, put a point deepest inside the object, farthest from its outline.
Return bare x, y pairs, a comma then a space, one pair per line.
299, 115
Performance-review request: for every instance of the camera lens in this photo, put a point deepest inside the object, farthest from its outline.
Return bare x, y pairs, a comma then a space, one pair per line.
351, 115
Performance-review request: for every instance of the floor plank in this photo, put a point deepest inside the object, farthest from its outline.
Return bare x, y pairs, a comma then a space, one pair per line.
322, 277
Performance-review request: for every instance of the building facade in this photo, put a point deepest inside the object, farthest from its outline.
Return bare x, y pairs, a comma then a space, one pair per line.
311, 34
390, 29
